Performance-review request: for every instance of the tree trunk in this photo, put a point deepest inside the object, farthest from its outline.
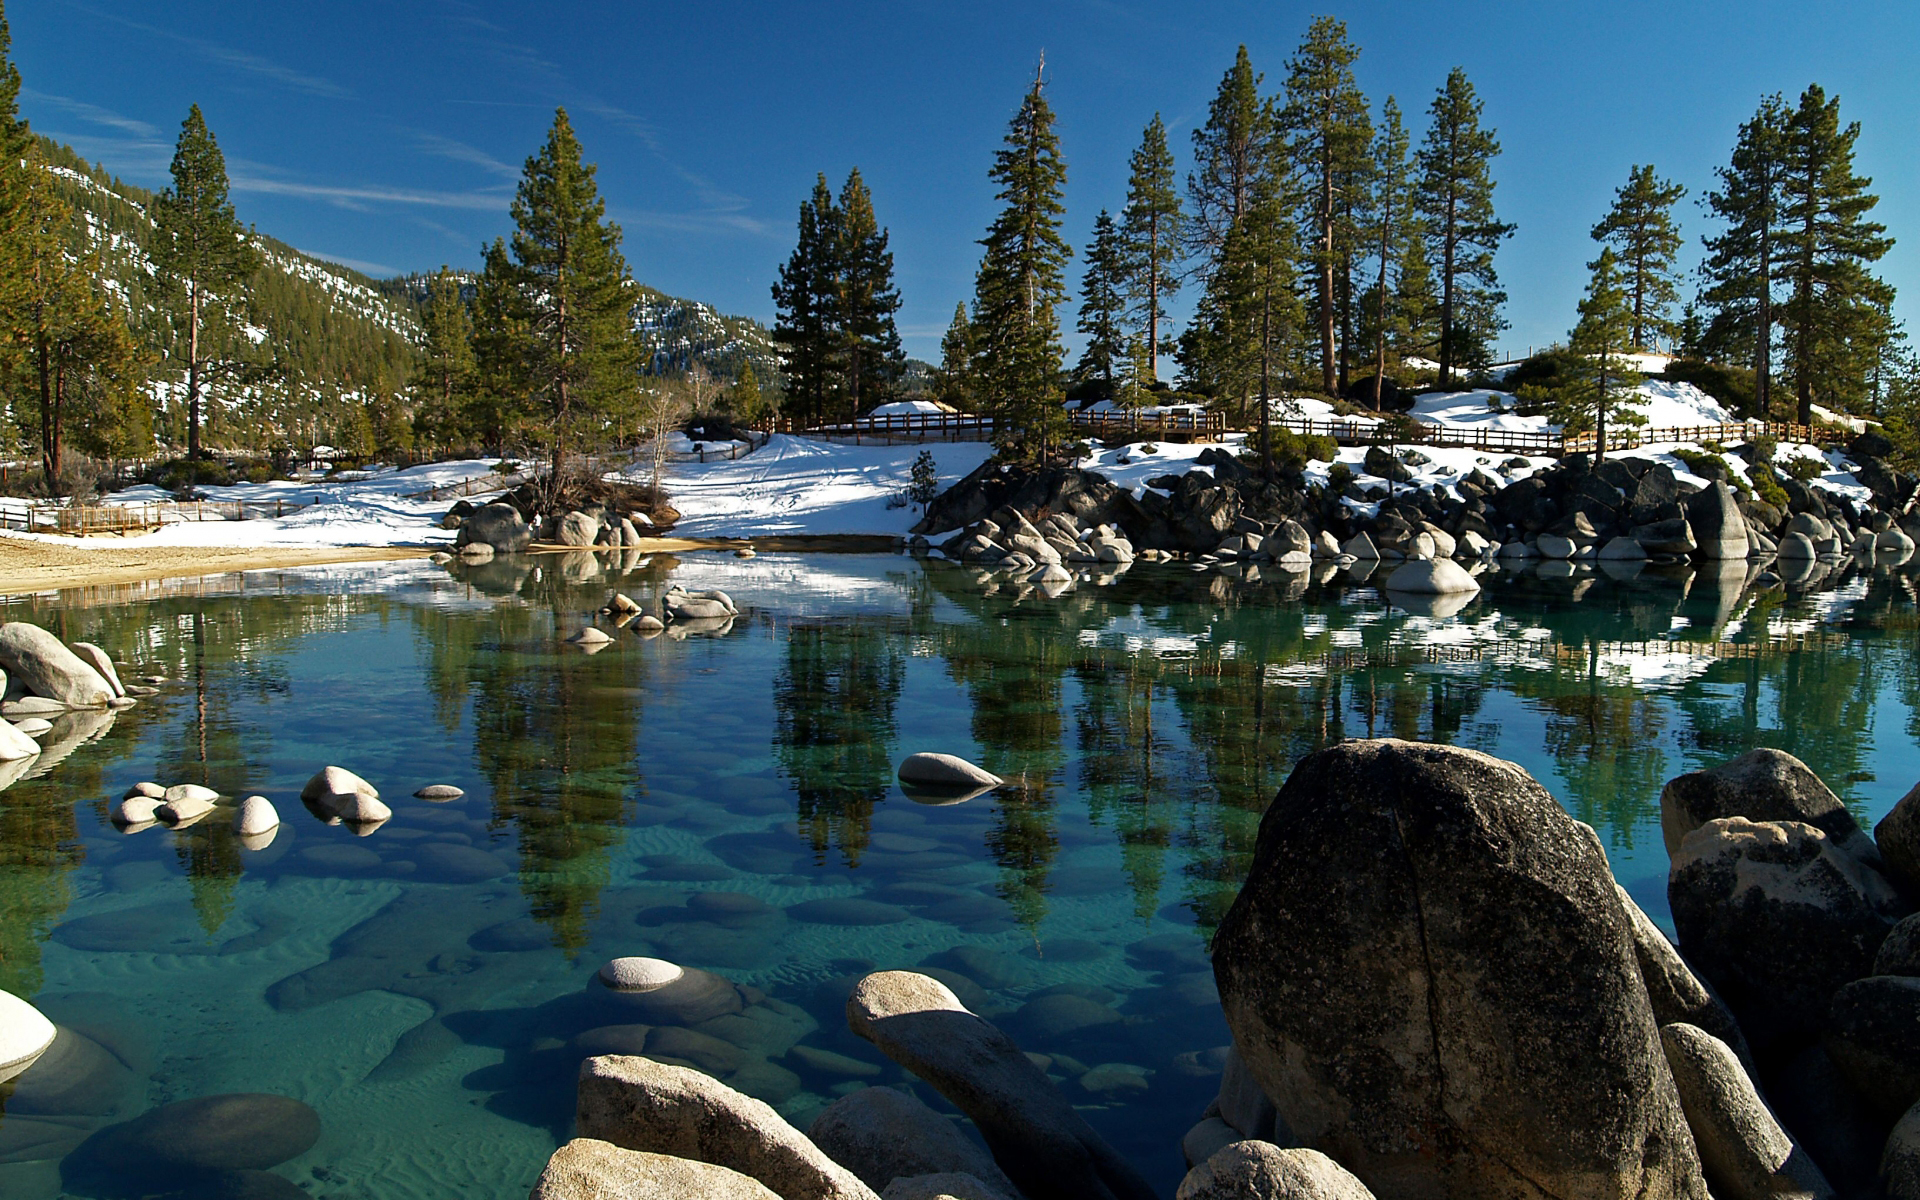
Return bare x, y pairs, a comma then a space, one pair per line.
193, 370
1380, 355
1448, 234
1266, 376
1803, 336
49, 431
1153, 297
1327, 368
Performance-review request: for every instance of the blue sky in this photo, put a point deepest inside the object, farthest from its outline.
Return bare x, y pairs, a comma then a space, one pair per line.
389, 136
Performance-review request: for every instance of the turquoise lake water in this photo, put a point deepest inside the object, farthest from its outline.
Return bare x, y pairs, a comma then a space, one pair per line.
727, 800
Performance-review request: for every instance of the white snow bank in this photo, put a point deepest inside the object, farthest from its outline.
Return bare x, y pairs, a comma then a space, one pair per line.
1664, 404
796, 485
911, 408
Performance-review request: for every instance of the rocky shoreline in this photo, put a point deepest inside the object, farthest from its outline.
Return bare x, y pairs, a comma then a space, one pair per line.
1037, 523
1435, 989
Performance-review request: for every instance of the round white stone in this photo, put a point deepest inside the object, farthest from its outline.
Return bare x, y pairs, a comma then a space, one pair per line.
439, 793
591, 637
189, 791
257, 815
153, 790
24, 1034
639, 974
137, 810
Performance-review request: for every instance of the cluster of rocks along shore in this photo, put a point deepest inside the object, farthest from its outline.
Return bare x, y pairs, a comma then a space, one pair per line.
515, 521
1435, 990
1618, 509
55, 696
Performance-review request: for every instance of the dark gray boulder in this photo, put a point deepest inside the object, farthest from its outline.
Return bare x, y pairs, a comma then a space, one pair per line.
1874, 1039
1761, 785
1386, 466
1777, 916
1439, 913
1676, 993
497, 525
1828, 1120
882, 1134
1900, 1163
1745, 1153
1718, 528
1262, 1171
1898, 835
1900, 953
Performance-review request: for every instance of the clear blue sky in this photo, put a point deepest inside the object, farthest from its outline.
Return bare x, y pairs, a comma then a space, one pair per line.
389, 136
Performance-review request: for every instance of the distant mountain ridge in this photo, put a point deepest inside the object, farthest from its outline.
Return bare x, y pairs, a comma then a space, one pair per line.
337, 334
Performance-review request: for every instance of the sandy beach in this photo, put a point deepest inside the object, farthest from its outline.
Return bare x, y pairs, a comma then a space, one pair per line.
38, 566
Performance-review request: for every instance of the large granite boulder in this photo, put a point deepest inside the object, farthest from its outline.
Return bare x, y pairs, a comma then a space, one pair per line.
1676, 993
45, 667
1718, 528
1898, 835
1043, 1145
1777, 916
1263, 1171
1760, 785
588, 1169
1873, 1037
1457, 1011
499, 526
1743, 1150
882, 1134
639, 1104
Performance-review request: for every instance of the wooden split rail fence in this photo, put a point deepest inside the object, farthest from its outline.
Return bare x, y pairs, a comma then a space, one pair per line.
1347, 431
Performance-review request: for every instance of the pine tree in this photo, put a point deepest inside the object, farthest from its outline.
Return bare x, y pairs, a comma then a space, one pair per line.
748, 402
953, 383
1016, 334
804, 300
1102, 304
16, 143
447, 365
1739, 269
1152, 225
1232, 152
82, 366
496, 409
1641, 230
1394, 312
868, 344
1455, 200
1325, 121
1832, 315
200, 251
1601, 339
581, 360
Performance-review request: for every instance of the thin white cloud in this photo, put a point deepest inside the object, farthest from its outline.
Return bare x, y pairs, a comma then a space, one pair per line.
376, 270
240, 60
352, 197
89, 112
694, 222
457, 151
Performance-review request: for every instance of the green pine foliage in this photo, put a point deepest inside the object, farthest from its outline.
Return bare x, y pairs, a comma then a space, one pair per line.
1601, 339
443, 381
1398, 311
576, 353
1329, 136
1737, 274
1152, 225
953, 381
1641, 231
1835, 311
1103, 304
203, 257
839, 345
1455, 200
1020, 282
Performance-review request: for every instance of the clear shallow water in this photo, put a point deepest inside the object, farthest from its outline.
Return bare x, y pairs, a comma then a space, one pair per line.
428, 988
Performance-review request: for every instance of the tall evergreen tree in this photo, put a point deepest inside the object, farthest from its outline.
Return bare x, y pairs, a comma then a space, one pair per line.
869, 357
1232, 152
953, 383
16, 142
1833, 311
1016, 334
447, 365
200, 251
496, 409
1641, 230
1325, 121
1102, 304
1601, 339
1455, 201
1397, 306
1739, 269
82, 366
804, 300
1152, 225
581, 358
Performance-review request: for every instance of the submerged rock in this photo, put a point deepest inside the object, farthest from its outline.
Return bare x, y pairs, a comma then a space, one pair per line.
638, 1104
882, 1134
589, 1169
1458, 1011
181, 1142
1041, 1143
639, 974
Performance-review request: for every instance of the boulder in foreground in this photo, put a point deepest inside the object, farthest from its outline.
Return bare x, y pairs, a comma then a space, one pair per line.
588, 1169
1439, 911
